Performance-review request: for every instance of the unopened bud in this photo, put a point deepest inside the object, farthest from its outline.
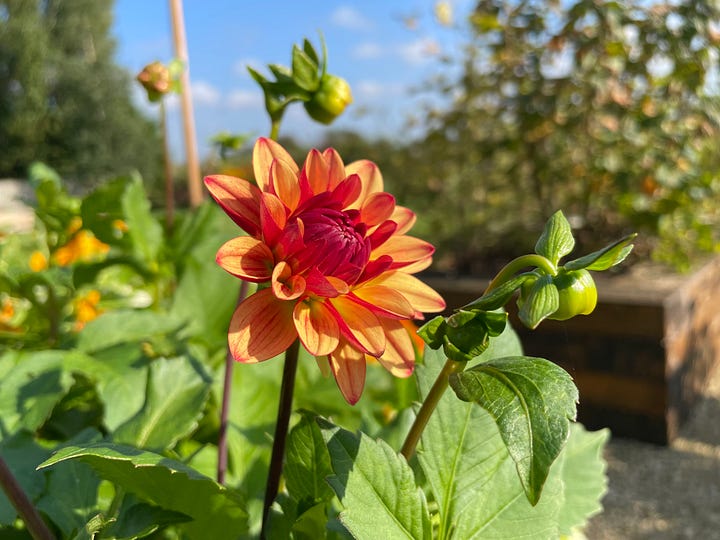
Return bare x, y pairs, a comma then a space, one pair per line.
155, 78
330, 99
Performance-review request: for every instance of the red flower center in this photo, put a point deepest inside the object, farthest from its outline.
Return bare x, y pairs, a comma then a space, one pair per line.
335, 243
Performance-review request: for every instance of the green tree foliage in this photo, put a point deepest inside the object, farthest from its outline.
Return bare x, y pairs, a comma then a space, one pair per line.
63, 100
604, 109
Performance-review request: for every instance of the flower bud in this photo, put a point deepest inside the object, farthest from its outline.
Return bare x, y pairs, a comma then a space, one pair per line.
155, 78
578, 294
330, 99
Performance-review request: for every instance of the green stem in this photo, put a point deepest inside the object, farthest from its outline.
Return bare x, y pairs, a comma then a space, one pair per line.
428, 406
281, 430
275, 129
27, 512
514, 266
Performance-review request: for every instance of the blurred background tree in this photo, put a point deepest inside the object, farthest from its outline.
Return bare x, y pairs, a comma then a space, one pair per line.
608, 110
63, 100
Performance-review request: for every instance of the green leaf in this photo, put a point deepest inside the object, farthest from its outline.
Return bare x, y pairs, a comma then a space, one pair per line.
604, 258
532, 400
144, 230
556, 240
583, 473
304, 70
164, 482
95, 525
376, 487
175, 397
33, 383
542, 301
21, 454
470, 473
433, 331
307, 464
311, 52
102, 207
71, 497
499, 296
468, 333
137, 520
123, 326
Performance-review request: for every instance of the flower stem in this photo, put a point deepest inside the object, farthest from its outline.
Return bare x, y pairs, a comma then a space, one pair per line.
169, 186
275, 130
27, 512
428, 406
281, 430
514, 266
225, 408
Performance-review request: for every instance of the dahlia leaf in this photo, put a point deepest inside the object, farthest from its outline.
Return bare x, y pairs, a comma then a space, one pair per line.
556, 240
376, 487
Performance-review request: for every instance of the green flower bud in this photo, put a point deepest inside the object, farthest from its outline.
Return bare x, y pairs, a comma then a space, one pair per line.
330, 99
578, 294
155, 78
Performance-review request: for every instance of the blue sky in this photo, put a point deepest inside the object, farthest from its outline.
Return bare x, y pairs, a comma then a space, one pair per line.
383, 48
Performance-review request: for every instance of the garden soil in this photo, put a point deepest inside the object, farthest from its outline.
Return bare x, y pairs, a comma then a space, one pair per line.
666, 492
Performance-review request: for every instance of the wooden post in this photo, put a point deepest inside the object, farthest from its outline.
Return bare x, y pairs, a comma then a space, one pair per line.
180, 44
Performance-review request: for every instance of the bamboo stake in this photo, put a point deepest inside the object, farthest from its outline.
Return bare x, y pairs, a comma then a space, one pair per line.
180, 44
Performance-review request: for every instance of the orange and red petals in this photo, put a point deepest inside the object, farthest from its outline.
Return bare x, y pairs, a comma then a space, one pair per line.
316, 173
348, 191
375, 268
399, 357
405, 250
335, 168
405, 219
284, 184
324, 286
285, 285
264, 152
385, 301
261, 328
239, 199
317, 327
359, 325
417, 266
348, 367
247, 258
291, 240
382, 233
376, 208
273, 217
423, 298
369, 173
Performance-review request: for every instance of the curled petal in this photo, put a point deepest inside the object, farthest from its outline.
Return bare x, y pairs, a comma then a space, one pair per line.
273, 217
317, 327
405, 250
285, 285
383, 232
348, 367
386, 299
348, 191
405, 219
239, 198
315, 172
261, 327
399, 356
370, 176
247, 258
284, 183
421, 296
359, 325
325, 286
264, 152
335, 167
376, 208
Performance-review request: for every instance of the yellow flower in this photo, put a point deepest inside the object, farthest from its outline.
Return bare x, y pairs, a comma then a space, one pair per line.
82, 247
85, 309
38, 261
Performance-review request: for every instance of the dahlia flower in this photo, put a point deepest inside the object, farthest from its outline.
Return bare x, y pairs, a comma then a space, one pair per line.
328, 247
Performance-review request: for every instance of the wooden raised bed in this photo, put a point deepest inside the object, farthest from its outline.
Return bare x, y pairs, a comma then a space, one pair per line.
642, 358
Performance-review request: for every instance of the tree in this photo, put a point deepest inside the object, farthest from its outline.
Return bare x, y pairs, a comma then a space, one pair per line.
602, 109
77, 98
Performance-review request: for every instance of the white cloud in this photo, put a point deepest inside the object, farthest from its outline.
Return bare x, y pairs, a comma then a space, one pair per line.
349, 17
204, 93
243, 99
368, 50
419, 51
373, 89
